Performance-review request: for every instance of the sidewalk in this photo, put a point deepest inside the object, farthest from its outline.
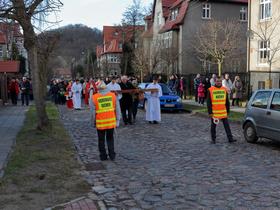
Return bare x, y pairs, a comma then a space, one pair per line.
11, 121
232, 108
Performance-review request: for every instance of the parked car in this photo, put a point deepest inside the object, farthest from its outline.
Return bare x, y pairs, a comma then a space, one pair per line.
262, 116
168, 100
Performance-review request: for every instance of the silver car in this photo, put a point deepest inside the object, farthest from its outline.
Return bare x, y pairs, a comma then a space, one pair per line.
262, 116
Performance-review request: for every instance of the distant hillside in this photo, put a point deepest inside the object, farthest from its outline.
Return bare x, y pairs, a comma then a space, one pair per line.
74, 41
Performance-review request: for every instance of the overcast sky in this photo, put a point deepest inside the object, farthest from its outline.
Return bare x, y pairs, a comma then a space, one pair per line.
94, 13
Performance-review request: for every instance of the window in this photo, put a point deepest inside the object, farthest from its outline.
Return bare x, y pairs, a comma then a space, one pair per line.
265, 9
261, 99
113, 59
120, 45
275, 104
261, 85
243, 14
174, 14
1, 51
158, 18
206, 11
264, 52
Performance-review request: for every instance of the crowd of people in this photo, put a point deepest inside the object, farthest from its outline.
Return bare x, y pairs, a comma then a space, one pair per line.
20, 89
234, 89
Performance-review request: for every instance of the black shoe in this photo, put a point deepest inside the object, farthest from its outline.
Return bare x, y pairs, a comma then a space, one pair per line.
150, 122
232, 140
213, 141
102, 158
155, 122
126, 123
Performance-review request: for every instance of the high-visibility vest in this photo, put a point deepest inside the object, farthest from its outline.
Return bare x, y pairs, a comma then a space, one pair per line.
105, 106
218, 98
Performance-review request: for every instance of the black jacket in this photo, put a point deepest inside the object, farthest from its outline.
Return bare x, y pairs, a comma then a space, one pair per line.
126, 97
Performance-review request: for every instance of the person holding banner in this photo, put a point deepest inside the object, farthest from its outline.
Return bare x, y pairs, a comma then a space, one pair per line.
218, 109
106, 117
153, 114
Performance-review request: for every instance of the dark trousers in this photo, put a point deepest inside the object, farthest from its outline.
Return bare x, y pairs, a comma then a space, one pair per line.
226, 126
135, 108
14, 98
237, 101
196, 95
126, 107
201, 100
25, 97
109, 136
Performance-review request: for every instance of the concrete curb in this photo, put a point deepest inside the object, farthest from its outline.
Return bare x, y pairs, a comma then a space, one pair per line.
204, 115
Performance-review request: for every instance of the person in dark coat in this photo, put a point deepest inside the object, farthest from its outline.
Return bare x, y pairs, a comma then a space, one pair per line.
126, 101
25, 89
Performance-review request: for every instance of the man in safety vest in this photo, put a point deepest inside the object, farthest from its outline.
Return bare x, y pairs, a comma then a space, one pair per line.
218, 109
106, 114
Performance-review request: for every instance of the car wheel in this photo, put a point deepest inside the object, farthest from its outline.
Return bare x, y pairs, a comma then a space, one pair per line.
250, 133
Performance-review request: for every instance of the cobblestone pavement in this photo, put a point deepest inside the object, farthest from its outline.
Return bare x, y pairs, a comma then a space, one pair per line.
173, 166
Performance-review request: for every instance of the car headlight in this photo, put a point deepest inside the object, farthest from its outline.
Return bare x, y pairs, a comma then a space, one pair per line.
179, 100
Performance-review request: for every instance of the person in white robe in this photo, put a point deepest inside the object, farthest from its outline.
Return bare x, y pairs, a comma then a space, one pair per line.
153, 114
77, 94
114, 86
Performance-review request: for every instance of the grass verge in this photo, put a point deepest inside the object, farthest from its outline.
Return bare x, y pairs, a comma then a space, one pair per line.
233, 116
42, 170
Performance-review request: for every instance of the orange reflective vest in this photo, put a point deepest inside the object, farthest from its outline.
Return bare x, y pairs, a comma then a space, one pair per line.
105, 109
218, 99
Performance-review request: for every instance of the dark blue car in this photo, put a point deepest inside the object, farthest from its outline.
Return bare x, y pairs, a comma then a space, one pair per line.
168, 100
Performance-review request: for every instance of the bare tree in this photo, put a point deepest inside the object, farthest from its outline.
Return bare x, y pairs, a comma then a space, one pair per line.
218, 40
269, 40
169, 56
29, 13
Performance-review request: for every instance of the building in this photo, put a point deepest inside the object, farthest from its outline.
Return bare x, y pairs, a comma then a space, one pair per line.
10, 34
173, 27
264, 44
109, 54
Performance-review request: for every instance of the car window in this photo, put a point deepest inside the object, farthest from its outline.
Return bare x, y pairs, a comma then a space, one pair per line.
275, 104
261, 99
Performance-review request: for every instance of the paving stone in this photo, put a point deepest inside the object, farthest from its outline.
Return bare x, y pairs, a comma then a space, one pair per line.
173, 165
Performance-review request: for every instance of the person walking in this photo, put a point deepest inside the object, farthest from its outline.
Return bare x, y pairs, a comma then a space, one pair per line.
213, 79
218, 109
113, 86
153, 102
182, 87
197, 81
135, 98
106, 114
126, 101
25, 88
14, 91
227, 83
237, 91
77, 94
201, 93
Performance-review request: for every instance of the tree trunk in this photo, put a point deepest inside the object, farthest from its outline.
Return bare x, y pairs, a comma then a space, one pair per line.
38, 84
220, 68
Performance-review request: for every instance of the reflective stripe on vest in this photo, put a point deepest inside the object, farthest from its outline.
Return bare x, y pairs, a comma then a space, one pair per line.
105, 111
218, 98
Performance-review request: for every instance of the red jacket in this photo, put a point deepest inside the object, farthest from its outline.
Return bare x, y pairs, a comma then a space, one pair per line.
14, 87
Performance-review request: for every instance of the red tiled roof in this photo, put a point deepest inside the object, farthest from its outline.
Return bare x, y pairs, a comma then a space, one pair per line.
174, 24
9, 66
99, 51
3, 39
113, 36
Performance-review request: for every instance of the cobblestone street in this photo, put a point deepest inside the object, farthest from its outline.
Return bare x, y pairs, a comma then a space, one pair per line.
173, 165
